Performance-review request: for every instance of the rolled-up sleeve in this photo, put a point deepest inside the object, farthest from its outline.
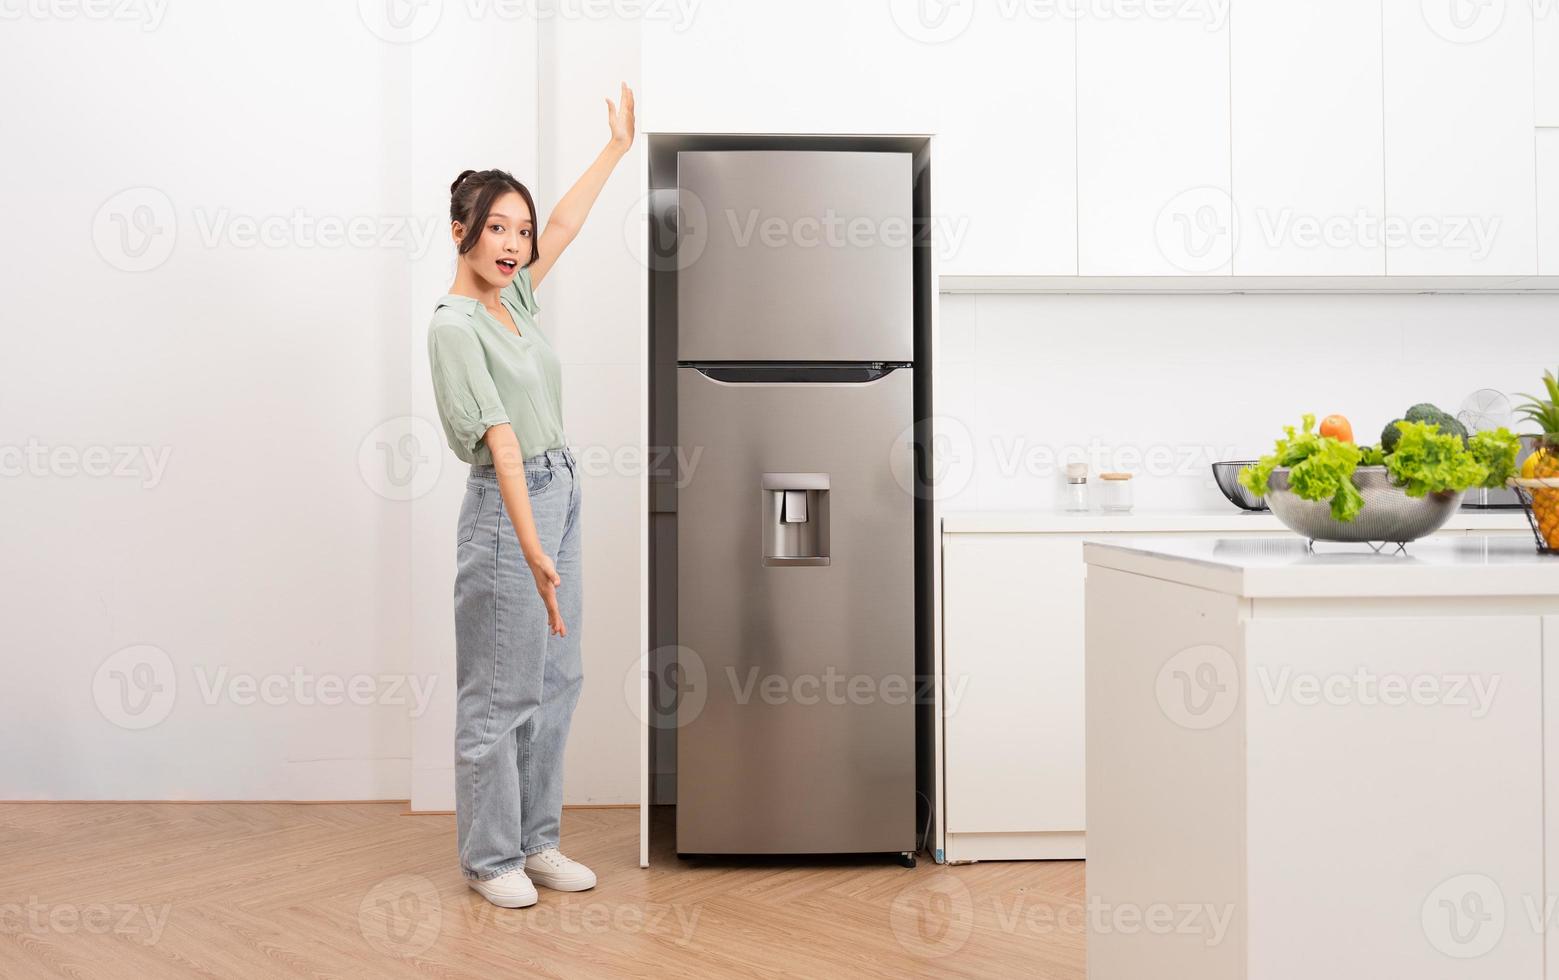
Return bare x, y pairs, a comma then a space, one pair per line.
468, 401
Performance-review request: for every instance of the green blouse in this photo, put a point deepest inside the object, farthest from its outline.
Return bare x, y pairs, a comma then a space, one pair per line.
484, 375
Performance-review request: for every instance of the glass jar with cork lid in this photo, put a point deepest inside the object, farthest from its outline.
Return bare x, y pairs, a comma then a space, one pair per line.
1115, 492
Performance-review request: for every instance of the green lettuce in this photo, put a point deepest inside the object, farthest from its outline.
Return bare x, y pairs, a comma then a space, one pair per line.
1427, 461
1497, 451
1320, 468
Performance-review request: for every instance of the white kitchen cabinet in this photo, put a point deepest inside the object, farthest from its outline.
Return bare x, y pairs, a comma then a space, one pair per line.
1307, 132
1459, 138
1013, 695
1545, 62
809, 66
1324, 757
1005, 153
1013, 726
1153, 188
1548, 202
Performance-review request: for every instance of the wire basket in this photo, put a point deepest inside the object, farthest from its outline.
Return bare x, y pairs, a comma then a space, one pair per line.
1227, 476
1540, 500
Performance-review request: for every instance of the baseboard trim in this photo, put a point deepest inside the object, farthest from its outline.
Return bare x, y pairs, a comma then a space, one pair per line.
1058, 845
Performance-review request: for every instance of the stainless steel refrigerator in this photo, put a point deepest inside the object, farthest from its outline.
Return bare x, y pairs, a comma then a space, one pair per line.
795, 507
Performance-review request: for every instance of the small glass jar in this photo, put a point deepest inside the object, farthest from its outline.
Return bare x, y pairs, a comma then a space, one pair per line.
1076, 494
1115, 492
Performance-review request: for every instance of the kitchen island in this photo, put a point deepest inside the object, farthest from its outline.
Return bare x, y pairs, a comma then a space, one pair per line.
1321, 764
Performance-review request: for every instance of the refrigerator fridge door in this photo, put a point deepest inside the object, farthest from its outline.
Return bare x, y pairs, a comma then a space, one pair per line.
795, 617
790, 255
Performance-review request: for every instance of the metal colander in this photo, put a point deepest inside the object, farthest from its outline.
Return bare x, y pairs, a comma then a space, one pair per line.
1389, 514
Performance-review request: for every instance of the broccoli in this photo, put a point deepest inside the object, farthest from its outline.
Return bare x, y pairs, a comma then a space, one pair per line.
1389, 436
1447, 423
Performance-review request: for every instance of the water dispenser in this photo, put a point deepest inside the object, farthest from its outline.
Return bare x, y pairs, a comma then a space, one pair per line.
795, 518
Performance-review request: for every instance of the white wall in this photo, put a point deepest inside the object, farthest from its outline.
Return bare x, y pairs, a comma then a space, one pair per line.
256, 367
1165, 385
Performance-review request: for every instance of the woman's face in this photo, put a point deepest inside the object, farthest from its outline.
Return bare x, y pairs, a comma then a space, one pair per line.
505, 242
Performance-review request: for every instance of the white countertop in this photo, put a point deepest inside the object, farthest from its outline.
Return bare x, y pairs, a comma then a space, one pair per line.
1285, 568
1142, 522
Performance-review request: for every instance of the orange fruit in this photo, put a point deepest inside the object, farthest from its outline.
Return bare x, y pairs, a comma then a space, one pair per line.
1337, 427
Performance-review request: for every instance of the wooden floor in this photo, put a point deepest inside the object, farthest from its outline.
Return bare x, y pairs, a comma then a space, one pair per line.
361, 890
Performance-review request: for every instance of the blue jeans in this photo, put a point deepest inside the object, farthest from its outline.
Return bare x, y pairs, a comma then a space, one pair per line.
517, 682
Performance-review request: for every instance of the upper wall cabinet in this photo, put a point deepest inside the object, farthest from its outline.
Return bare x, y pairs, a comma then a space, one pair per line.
1308, 164
1153, 188
1548, 202
1545, 61
1460, 184
806, 66
1005, 152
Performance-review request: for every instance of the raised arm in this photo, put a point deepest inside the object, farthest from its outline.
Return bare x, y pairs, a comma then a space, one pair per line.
569, 215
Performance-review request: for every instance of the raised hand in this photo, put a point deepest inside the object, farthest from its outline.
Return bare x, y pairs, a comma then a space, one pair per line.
619, 116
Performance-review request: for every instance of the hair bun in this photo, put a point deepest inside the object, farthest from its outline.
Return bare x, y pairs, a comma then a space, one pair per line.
460, 180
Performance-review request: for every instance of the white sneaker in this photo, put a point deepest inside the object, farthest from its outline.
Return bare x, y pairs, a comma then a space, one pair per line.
550, 869
510, 890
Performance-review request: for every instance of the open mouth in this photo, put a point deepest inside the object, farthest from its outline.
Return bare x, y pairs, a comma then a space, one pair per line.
509, 266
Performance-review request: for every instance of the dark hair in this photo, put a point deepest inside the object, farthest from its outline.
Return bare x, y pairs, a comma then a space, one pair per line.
471, 198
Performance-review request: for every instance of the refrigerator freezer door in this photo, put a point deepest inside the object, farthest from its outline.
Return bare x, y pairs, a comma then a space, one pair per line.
796, 723
794, 255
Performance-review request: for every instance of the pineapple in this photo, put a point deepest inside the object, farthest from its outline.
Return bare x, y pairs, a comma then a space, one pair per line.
1544, 463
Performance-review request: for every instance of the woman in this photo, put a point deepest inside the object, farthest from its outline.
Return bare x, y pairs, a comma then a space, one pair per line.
517, 583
